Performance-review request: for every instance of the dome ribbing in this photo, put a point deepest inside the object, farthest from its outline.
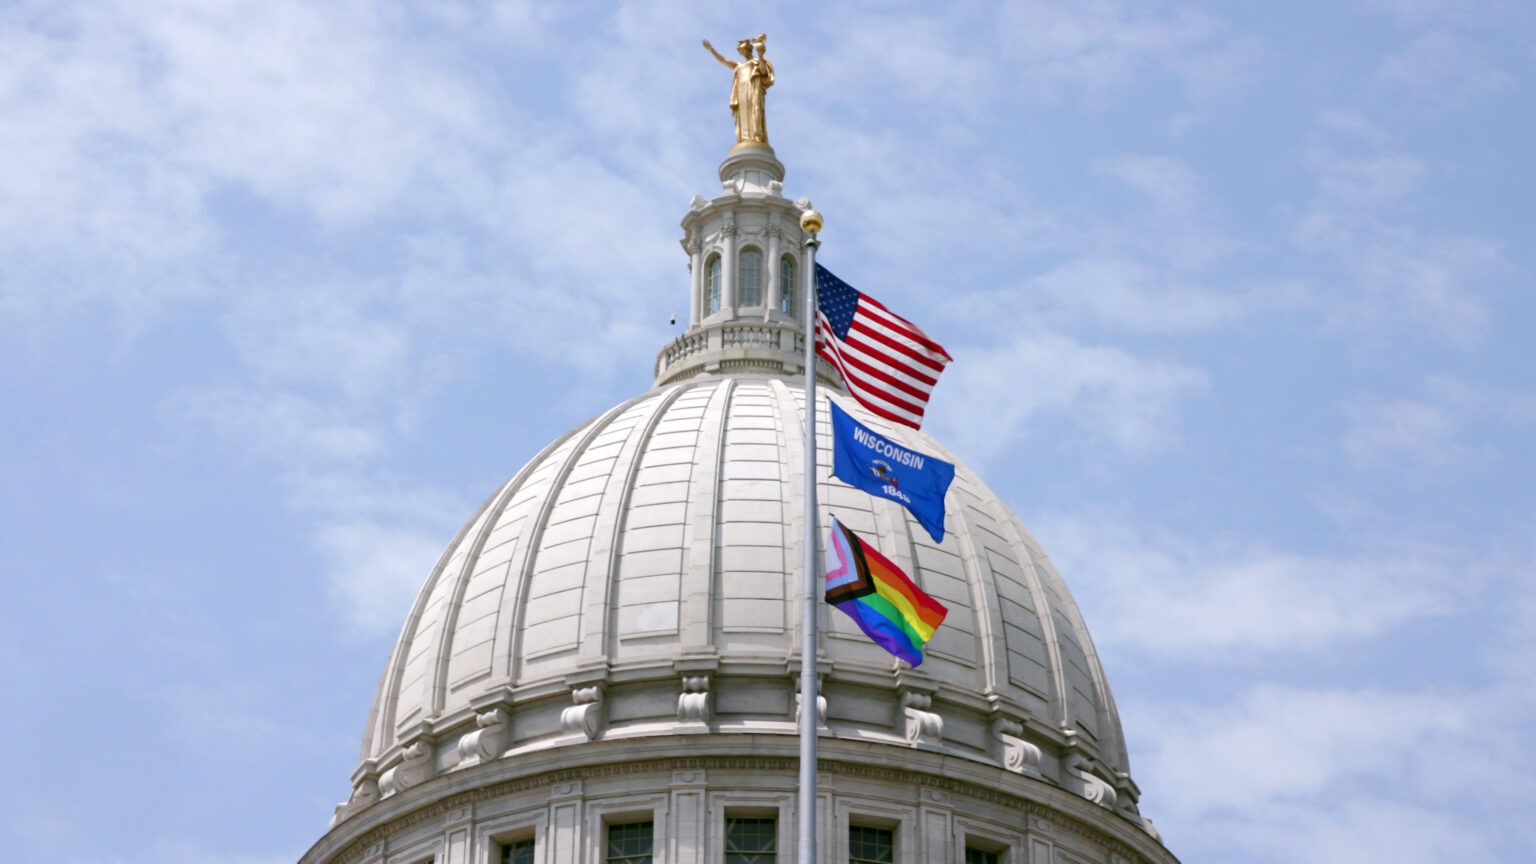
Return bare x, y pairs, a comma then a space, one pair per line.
649, 554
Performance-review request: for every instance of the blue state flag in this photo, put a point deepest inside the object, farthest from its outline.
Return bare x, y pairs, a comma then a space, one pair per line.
863, 458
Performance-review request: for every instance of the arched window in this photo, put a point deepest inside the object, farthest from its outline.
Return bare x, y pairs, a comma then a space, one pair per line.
787, 285
712, 285
749, 291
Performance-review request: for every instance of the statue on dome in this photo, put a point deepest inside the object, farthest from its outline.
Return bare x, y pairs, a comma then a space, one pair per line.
753, 77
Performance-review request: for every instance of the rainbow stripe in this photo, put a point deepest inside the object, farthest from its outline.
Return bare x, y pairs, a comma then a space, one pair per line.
886, 605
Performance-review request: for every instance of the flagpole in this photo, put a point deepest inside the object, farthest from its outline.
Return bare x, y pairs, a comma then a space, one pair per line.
810, 223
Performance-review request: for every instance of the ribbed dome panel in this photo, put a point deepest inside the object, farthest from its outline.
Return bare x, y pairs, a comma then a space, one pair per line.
666, 532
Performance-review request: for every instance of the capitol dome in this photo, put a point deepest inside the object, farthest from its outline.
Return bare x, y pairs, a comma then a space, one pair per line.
612, 640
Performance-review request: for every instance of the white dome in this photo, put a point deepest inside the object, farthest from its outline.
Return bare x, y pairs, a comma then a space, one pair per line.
660, 543
613, 638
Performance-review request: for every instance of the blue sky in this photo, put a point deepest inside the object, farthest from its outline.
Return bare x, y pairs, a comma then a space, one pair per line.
1239, 297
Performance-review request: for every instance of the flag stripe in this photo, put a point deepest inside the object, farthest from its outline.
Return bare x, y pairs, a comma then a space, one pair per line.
853, 367
875, 401
898, 616
912, 343
876, 358
872, 369
883, 631
925, 607
912, 331
888, 363
881, 605
919, 367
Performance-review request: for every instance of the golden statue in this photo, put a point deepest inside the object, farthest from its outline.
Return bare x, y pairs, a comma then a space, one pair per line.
753, 77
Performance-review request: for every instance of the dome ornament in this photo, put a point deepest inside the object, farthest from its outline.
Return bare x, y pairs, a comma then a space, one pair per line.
811, 222
750, 81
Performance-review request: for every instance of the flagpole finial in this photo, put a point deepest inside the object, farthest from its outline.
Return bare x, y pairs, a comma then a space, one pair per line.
810, 221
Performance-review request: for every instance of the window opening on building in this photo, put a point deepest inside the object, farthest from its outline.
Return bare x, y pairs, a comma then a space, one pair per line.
871, 845
787, 285
630, 843
712, 285
751, 278
751, 841
517, 852
978, 856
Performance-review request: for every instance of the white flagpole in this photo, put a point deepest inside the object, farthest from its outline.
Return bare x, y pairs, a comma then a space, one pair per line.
810, 222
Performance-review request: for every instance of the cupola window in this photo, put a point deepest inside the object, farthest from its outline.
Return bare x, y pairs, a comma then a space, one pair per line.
787, 285
751, 278
712, 285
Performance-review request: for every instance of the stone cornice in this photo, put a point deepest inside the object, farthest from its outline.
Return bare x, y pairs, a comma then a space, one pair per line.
1062, 811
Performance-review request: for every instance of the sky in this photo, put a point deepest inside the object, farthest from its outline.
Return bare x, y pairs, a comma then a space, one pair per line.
1239, 297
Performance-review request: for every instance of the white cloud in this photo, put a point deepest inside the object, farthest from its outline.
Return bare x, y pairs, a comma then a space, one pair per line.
1392, 269
1225, 602
1131, 295
1100, 45
1288, 773
276, 425
1365, 830
223, 716
1402, 433
1112, 396
1442, 66
1451, 424
1170, 184
902, 57
1278, 743
1367, 182
1460, 13
194, 852
323, 335
376, 569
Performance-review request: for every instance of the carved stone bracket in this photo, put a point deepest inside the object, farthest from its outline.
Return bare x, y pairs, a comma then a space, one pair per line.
919, 724
1090, 785
820, 698
586, 715
365, 791
488, 740
693, 702
414, 769
1015, 754
821, 709
1147, 826
821, 705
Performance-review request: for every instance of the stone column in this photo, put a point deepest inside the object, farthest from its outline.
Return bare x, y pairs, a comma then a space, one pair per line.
728, 266
771, 304
696, 279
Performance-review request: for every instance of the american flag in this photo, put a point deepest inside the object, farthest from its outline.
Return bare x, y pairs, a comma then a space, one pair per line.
887, 362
